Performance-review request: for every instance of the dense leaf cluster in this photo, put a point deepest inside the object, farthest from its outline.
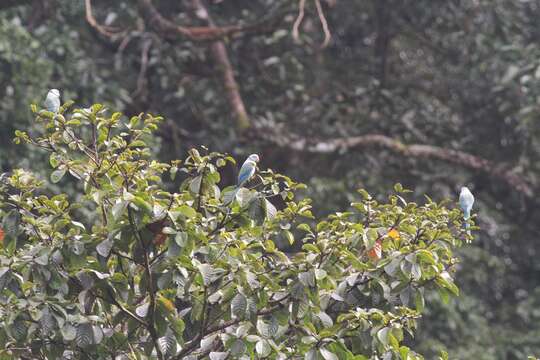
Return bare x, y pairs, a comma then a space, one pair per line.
125, 268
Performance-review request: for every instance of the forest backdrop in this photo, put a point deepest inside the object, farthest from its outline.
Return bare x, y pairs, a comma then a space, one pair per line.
337, 94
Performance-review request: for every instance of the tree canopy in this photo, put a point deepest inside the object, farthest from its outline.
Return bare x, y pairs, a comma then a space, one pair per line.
339, 95
123, 267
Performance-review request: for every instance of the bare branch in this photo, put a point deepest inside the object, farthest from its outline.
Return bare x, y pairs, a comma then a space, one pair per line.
103, 30
298, 21
221, 58
141, 79
171, 30
322, 18
509, 176
324, 23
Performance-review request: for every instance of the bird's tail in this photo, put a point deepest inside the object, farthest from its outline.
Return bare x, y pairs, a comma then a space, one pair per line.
466, 216
230, 196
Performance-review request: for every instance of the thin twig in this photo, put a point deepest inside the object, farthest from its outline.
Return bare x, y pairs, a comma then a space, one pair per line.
141, 79
151, 325
298, 21
327, 34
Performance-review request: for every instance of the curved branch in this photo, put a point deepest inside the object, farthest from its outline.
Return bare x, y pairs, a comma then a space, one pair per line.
103, 30
298, 21
510, 177
221, 59
324, 23
169, 29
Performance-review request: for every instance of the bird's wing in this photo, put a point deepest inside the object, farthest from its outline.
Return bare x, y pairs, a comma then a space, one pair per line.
246, 171
466, 201
52, 103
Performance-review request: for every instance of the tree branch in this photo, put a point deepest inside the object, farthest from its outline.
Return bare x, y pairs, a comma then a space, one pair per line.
103, 30
509, 176
192, 345
324, 24
151, 318
221, 58
173, 31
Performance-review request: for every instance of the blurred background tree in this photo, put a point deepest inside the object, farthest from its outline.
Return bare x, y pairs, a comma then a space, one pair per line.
340, 95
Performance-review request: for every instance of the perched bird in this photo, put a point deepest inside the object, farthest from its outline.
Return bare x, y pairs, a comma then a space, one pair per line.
246, 172
466, 201
52, 101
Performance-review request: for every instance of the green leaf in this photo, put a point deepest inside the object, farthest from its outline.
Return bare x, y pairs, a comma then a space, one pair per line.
320, 274
404, 353
104, 247
239, 306
257, 210
238, 348
42, 259
268, 329
53, 160
289, 236
69, 332
425, 256
383, 335
271, 210
444, 294
137, 143
98, 334
416, 271
11, 223
85, 335
173, 171
218, 355
311, 248
307, 278
209, 274
325, 319
118, 209
445, 280
187, 211
18, 329
393, 266
263, 348
195, 185
328, 355
311, 354
444, 355
167, 343
58, 174
142, 310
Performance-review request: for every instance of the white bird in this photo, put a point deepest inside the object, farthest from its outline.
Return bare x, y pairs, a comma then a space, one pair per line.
52, 101
466, 201
248, 169
246, 172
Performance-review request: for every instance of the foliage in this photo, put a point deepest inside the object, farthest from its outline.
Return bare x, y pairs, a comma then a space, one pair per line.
127, 268
461, 75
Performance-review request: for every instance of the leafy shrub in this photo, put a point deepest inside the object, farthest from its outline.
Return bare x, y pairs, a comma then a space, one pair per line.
127, 269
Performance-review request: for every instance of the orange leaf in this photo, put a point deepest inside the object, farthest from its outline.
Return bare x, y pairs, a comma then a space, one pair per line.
2, 234
167, 304
394, 234
375, 253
